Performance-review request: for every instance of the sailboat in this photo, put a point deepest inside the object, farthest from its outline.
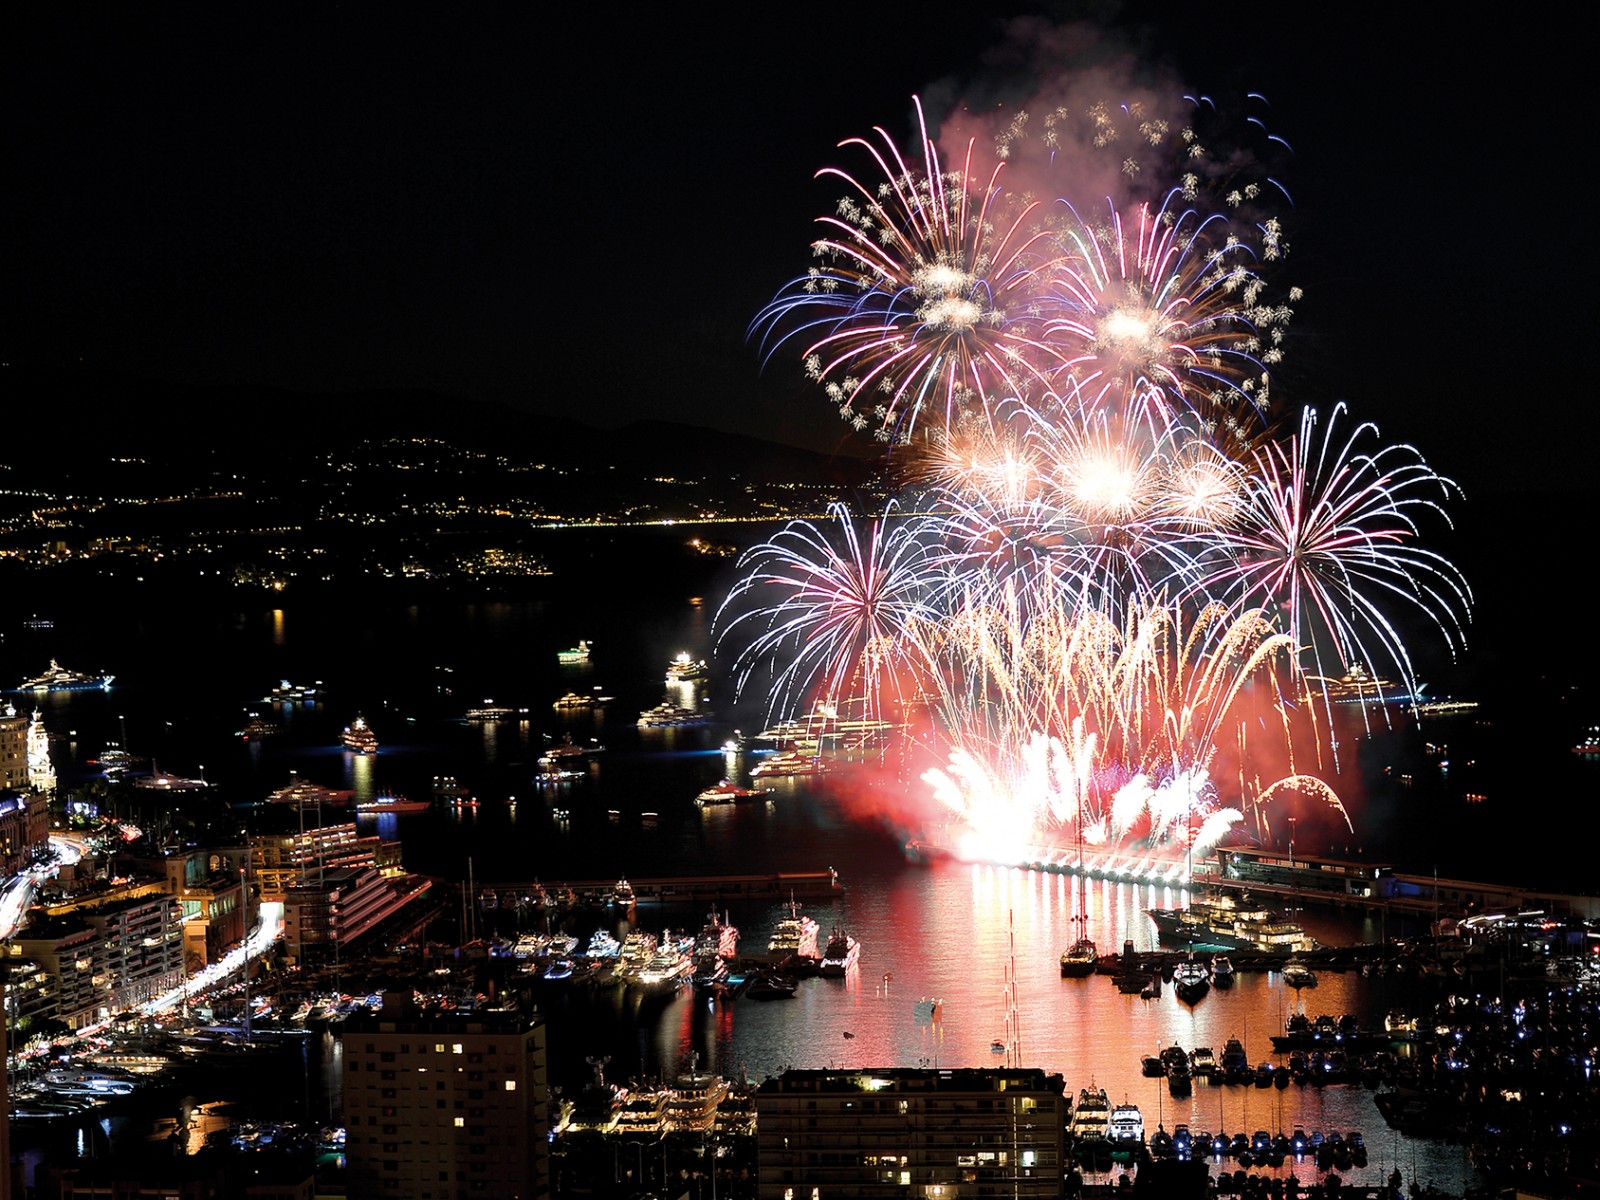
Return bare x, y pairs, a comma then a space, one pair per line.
1079, 959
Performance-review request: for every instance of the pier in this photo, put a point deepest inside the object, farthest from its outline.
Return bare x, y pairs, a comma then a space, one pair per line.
687, 889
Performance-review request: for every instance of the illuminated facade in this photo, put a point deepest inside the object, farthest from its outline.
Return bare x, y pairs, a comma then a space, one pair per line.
925, 1133
441, 1106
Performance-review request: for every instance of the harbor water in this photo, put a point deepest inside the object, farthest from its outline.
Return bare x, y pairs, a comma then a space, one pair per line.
959, 963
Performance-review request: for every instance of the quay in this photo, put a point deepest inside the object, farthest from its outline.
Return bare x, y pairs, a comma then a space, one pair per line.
685, 889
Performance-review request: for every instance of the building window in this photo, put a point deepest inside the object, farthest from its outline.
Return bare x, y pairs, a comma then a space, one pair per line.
461, 1122
511, 1085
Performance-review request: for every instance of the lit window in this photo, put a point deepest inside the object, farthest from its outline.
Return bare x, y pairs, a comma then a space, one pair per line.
456, 1048
438, 1047
511, 1085
460, 1122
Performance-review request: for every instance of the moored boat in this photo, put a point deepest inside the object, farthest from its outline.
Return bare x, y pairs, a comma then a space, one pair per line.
1219, 920
795, 936
840, 955
1190, 980
358, 737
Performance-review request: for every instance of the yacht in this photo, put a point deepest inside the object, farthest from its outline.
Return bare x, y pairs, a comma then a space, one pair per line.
358, 737
575, 700
717, 939
1091, 1121
1222, 971
1223, 921
490, 711
668, 968
794, 936
840, 955
572, 657
56, 678
668, 715
792, 762
728, 792
391, 802
683, 669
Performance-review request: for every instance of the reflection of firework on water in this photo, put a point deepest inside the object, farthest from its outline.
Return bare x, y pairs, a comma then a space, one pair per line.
1110, 584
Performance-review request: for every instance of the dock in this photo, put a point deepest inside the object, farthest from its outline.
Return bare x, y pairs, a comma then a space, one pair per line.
685, 889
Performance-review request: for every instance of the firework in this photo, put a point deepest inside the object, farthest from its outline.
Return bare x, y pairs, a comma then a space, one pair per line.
1328, 535
1111, 586
926, 291
827, 610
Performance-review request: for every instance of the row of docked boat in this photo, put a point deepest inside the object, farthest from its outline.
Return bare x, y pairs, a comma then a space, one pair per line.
1102, 1134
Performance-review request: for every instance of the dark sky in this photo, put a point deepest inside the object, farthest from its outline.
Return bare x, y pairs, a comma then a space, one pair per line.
582, 209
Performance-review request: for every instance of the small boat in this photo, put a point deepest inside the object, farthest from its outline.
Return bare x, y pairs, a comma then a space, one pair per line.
771, 986
1190, 980
358, 737
1298, 975
1222, 972
728, 792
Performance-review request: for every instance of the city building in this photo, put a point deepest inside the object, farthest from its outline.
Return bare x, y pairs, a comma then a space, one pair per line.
106, 958
281, 861
13, 750
331, 914
446, 1105
934, 1134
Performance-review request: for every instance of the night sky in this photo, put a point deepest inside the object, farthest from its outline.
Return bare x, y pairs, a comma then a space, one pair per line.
582, 214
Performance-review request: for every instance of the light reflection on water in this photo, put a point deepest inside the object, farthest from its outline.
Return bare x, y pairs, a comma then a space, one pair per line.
951, 931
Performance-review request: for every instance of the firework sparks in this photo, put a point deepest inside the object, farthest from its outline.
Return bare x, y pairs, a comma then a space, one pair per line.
1109, 570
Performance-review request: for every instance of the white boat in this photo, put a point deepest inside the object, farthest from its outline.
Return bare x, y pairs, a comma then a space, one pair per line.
490, 711
716, 939
56, 678
575, 700
1125, 1127
1298, 975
